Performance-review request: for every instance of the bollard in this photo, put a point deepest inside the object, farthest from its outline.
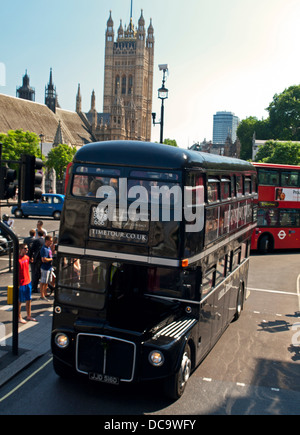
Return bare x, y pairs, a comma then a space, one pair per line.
10, 295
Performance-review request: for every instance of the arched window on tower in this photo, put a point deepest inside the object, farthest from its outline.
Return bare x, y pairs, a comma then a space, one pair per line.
123, 85
130, 85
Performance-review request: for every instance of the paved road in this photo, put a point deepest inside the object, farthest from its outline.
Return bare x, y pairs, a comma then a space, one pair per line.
253, 369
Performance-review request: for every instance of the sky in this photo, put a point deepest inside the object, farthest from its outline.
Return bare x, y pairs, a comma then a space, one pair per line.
232, 55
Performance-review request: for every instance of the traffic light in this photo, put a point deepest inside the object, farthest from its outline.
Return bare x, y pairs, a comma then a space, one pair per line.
30, 181
7, 182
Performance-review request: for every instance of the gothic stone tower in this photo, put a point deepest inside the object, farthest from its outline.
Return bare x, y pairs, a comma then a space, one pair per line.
128, 80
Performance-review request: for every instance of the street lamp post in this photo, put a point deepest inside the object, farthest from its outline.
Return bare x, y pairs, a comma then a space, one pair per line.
162, 95
42, 136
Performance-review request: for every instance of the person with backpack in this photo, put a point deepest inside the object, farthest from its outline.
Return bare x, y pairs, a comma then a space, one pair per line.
36, 261
46, 267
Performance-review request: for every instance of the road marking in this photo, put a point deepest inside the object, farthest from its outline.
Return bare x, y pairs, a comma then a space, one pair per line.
6, 308
25, 380
241, 384
275, 291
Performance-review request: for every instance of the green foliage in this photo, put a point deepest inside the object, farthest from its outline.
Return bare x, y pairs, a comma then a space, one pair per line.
285, 153
59, 158
171, 142
284, 113
18, 142
245, 132
282, 124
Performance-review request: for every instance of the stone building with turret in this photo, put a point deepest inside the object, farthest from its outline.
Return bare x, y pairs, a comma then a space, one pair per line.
127, 97
128, 84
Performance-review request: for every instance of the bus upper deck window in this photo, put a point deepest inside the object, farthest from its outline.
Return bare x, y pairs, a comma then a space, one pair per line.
225, 189
213, 190
155, 175
239, 185
254, 184
88, 179
247, 185
267, 177
195, 185
289, 178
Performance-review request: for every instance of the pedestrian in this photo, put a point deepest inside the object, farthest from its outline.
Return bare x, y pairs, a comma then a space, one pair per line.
30, 239
24, 284
35, 259
46, 267
39, 227
8, 221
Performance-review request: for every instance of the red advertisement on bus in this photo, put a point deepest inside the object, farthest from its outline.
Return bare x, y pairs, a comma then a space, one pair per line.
68, 172
278, 219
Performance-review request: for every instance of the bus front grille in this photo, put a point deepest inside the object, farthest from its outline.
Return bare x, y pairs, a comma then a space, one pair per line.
105, 355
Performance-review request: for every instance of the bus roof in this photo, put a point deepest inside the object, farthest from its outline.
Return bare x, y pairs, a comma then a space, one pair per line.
275, 166
154, 155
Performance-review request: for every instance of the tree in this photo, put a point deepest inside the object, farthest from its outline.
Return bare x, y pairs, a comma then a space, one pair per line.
285, 153
59, 158
282, 124
18, 142
284, 114
245, 132
171, 142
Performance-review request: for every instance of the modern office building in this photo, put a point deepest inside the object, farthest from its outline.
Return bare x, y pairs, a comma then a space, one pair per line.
225, 125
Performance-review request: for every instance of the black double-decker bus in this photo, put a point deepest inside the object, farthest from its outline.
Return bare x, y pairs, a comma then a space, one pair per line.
153, 259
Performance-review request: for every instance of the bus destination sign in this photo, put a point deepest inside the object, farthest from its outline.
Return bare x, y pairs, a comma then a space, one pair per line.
120, 236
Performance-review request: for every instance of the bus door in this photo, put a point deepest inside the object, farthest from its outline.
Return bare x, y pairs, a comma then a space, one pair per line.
206, 311
222, 296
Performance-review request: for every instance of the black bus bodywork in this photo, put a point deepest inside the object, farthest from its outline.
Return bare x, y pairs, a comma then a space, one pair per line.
146, 300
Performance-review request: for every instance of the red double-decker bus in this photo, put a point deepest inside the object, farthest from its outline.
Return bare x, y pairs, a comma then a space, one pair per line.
278, 223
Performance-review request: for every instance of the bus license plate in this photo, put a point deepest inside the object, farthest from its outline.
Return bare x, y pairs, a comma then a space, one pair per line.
104, 378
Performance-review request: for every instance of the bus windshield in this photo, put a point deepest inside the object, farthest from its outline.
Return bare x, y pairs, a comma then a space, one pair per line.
88, 179
85, 282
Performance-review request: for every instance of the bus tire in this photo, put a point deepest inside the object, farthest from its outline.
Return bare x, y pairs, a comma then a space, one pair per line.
174, 386
264, 244
239, 303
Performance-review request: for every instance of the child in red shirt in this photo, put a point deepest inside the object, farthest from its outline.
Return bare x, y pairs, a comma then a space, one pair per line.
25, 283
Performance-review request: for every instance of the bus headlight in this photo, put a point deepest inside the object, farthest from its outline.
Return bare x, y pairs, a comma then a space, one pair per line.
61, 340
156, 358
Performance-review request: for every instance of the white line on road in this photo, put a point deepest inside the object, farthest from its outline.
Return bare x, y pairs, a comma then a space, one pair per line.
25, 380
273, 291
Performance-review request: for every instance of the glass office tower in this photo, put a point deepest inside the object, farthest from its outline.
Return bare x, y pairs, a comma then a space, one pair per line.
225, 124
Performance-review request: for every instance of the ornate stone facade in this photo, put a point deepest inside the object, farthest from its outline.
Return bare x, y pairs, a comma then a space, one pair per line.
128, 84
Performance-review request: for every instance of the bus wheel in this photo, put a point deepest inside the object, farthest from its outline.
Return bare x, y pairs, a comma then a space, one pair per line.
264, 244
239, 303
175, 385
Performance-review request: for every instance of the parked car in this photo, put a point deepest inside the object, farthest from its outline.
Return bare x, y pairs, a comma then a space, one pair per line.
50, 204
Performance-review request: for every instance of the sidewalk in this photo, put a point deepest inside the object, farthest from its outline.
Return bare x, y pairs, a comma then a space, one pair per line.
34, 338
